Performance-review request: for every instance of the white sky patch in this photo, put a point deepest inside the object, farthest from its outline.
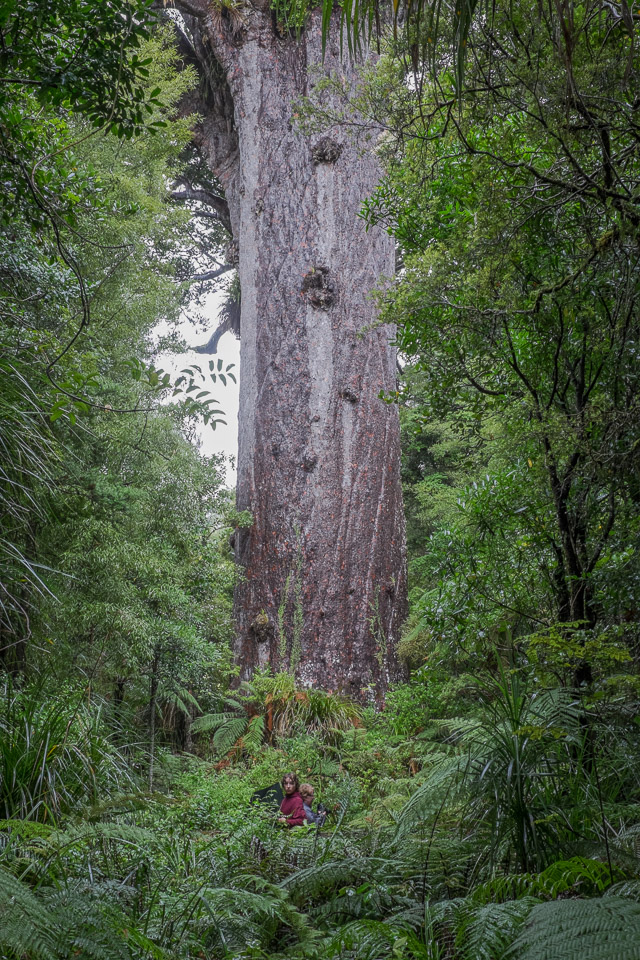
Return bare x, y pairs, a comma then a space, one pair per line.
196, 328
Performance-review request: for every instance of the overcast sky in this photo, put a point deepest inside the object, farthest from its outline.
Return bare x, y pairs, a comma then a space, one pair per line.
196, 330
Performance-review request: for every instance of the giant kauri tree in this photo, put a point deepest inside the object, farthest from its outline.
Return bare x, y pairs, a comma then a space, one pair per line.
324, 584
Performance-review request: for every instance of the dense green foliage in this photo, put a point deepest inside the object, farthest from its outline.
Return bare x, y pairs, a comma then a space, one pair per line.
491, 811
112, 547
519, 304
447, 837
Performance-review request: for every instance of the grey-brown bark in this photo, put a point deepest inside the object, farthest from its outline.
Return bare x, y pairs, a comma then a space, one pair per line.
325, 587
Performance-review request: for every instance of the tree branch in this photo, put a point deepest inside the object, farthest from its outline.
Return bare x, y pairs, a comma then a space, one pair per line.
212, 274
193, 8
217, 203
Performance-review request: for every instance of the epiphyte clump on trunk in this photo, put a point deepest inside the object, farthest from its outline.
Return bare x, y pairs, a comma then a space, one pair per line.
262, 628
325, 150
318, 288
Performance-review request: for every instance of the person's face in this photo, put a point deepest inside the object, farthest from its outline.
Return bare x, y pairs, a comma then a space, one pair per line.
289, 786
309, 797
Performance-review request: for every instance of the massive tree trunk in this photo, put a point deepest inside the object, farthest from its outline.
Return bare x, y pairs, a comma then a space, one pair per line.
324, 589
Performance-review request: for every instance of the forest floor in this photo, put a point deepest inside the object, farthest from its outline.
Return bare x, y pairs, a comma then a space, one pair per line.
438, 844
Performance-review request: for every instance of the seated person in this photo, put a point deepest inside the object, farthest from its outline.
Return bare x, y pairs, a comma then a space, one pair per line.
291, 808
307, 793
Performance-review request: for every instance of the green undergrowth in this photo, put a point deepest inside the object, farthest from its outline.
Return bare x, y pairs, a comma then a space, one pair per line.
458, 835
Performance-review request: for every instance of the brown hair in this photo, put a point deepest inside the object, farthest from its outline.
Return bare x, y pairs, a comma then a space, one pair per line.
291, 776
306, 789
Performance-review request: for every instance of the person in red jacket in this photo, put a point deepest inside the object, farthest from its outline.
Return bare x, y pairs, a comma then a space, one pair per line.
292, 807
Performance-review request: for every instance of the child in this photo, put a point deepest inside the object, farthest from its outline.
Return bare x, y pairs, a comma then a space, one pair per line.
307, 792
292, 807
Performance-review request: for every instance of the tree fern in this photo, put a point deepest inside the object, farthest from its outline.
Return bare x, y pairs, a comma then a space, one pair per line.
274, 704
316, 881
210, 722
485, 932
604, 928
579, 875
27, 928
440, 784
229, 733
368, 940
252, 739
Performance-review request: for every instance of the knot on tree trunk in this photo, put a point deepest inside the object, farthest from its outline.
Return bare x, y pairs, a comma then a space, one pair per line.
347, 393
325, 150
318, 288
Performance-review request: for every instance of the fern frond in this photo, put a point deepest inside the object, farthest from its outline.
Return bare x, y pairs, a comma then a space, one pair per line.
230, 900
440, 783
485, 932
92, 832
451, 729
603, 928
626, 888
228, 734
510, 887
245, 915
252, 739
316, 881
557, 709
211, 721
26, 927
578, 874
367, 940
185, 699
374, 903
26, 829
